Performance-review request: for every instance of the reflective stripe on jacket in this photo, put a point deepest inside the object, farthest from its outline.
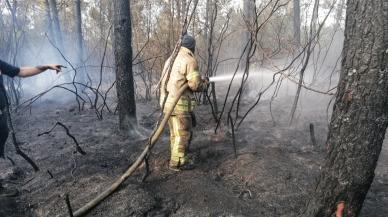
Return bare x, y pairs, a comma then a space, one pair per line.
184, 70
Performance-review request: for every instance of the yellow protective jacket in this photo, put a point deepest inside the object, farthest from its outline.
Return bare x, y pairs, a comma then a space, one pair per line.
184, 70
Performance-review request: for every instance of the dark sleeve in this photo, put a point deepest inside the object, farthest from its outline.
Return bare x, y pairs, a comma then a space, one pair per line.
8, 69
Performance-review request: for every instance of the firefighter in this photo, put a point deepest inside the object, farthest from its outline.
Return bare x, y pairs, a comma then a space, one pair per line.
184, 70
12, 71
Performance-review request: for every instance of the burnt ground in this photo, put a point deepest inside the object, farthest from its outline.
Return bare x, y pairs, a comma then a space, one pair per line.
274, 169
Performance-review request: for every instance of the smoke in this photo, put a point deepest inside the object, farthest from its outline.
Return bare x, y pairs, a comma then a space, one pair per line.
320, 79
40, 51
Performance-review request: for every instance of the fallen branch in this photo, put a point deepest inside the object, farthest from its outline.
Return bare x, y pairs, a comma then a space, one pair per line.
78, 147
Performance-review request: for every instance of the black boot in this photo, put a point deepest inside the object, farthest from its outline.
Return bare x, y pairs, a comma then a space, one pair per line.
189, 165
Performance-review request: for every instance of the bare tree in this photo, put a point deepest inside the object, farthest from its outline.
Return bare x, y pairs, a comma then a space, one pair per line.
296, 18
360, 115
123, 58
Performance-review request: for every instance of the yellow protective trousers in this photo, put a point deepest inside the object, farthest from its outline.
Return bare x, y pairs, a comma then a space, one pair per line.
180, 134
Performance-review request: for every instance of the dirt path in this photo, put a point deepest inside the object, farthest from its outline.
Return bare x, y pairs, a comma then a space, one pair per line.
274, 168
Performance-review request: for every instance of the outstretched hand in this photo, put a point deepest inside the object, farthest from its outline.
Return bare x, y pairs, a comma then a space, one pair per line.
56, 67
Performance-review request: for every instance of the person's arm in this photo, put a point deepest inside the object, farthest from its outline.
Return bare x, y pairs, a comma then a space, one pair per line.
195, 82
8, 69
31, 71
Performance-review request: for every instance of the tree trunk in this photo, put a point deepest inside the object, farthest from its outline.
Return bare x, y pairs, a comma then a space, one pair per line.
184, 8
297, 21
170, 39
249, 18
49, 26
248, 15
179, 12
57, 34
207, 39
360, 115
57, 27
211, 17
123, 59
314, 20
339, 13
80, 43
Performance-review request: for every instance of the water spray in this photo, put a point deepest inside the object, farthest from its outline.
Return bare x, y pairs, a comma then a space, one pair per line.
219, 78
240, 75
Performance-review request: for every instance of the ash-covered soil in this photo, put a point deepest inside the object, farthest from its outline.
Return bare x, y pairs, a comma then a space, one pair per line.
275, 167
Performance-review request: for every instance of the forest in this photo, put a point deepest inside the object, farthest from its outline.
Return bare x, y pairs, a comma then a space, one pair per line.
224, 108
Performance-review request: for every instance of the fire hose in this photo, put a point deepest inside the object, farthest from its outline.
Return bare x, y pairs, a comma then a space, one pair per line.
152, 140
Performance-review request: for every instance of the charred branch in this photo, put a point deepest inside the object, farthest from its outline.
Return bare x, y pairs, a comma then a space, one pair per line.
77, 146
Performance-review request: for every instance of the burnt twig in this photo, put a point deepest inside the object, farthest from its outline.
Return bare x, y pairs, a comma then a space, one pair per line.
21, 153
78, 147
101, 69
230, 120
15, 142
71, 65
11, 160
312, 135
69, 209
146, 167
50, 174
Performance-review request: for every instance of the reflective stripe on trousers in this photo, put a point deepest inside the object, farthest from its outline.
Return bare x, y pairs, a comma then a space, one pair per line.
180, 132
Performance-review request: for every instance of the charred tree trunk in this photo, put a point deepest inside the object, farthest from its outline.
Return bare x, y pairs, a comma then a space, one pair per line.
360, 115
123, 59
297, 21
